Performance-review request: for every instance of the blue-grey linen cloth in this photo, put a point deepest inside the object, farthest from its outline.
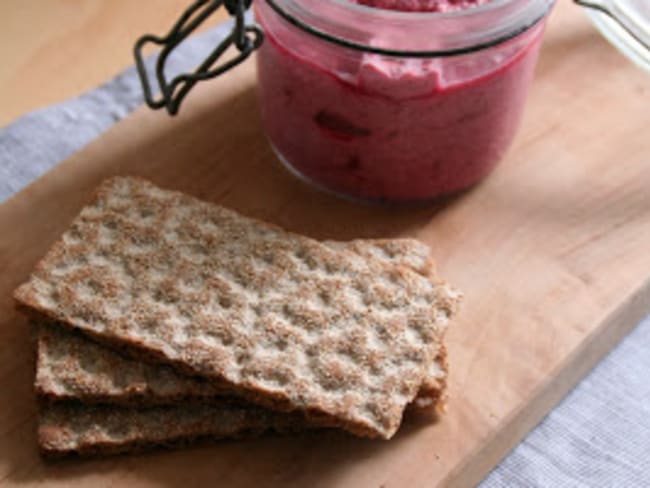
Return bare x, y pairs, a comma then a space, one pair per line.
599, 436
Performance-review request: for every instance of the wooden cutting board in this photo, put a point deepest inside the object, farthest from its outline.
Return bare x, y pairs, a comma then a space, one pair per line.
552, 252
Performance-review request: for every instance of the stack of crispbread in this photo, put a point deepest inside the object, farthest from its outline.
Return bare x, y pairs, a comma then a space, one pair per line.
162, 319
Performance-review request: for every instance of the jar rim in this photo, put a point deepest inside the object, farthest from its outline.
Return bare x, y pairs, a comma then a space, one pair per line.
524, 19
360, 7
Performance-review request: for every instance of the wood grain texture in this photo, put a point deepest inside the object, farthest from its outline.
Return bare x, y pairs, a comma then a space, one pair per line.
55, 49
551, 252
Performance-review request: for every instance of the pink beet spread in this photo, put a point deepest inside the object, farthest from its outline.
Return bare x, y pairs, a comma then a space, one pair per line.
385, 129
422, 5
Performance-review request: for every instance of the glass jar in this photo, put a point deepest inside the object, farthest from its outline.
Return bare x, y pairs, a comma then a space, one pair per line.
388, 105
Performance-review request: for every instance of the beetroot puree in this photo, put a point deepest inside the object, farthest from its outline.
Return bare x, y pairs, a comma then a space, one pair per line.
384, 128
421, 5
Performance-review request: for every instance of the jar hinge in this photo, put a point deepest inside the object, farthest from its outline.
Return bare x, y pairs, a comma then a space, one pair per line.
245, 38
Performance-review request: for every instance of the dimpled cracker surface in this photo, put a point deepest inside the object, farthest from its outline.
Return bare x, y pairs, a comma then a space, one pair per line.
65, 428
280, 319
71, 367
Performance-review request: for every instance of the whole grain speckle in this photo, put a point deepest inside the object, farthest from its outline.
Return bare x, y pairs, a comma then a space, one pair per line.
167, 247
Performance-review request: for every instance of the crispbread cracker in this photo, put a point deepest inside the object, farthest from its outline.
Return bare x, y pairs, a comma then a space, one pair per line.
70, 367
68, 428
278, 319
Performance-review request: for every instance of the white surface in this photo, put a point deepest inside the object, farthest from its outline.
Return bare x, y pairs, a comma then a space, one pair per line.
630, 32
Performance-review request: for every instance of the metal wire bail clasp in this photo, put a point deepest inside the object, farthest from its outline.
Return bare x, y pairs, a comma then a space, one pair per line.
245, 38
